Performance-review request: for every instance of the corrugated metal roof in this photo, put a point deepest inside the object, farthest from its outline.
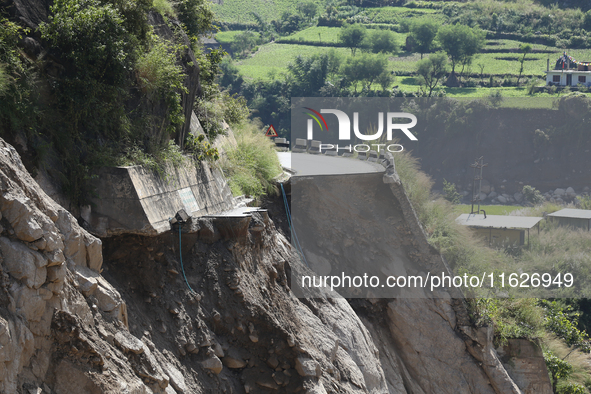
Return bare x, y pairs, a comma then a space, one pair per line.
572, 213
498, 221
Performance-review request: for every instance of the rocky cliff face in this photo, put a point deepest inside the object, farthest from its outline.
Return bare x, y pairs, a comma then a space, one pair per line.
116, 316
66, 329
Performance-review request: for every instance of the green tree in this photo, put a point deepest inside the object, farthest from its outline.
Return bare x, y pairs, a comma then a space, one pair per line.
532, 195
382, 41
289, 22
481, 67
230, 76
424, 31
558, 368
265, 28
450, 192
310, 74
196, 16
573, 388
334, 62
244, 42
587, 21
563, 321
91, 36
461, 43
525, 49
385, 79
496, 98
365, 69
308, 9
432, 70
584, 202
352, 36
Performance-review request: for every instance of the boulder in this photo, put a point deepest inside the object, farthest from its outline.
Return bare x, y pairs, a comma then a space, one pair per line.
74, 248
213, 364
307, 366
485, 186
23, 263
492, 195
502, 200
234, 363
315, 388
177, 380
518, 197
56, 273
22, 218
128, 343
86, 279
29, 303
559, 192
94, 252
107, 297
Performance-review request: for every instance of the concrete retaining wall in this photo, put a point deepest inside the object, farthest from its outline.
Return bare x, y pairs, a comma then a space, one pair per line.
138, 200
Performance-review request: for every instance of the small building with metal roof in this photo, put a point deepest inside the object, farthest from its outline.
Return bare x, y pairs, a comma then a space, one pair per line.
568, 72
574, 218
500, 230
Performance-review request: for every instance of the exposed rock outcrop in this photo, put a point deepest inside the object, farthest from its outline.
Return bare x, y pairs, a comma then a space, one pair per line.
49, 264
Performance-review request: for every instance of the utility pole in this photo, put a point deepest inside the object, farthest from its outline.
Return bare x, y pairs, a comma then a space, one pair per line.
477, 166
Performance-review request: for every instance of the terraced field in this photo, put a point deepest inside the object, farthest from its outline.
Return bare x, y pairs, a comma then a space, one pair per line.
499, 58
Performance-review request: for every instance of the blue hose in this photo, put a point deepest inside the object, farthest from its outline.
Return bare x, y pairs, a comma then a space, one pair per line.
181, 257
289, 222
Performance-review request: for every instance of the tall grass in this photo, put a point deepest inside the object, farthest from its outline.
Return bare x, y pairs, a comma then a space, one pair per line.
554, 250
4, 80
580, 361
251, 165
463, 251
466, 253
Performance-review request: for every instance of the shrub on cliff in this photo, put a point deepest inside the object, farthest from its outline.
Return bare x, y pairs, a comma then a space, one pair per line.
253, 163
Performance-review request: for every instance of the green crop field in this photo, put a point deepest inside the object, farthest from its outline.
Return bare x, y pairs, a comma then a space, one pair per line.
316, 34
227, 37
275, 58
240, 11
271, 60
508, 63
497, 44
395, 15
490, 209
322, 34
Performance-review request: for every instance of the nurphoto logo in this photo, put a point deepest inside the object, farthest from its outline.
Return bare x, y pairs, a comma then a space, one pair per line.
391, 120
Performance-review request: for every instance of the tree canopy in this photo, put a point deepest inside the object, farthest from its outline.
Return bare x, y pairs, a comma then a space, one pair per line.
424, 31
382, 41
352, 36
432, 70
460, 42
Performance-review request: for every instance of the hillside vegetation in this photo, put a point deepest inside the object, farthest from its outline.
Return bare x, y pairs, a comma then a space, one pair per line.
516, 42
561, 325
109, 83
